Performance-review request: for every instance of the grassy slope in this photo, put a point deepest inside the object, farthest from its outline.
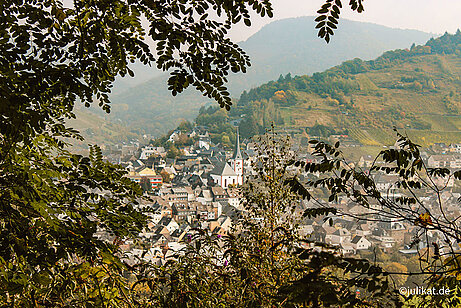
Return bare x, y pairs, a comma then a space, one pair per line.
370, 121
98, 129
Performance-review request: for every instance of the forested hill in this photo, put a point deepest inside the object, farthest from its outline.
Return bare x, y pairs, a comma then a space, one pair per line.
292, 46
416, 89
283, 46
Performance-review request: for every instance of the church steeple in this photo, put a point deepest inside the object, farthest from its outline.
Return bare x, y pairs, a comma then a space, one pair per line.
237, 161
237, 153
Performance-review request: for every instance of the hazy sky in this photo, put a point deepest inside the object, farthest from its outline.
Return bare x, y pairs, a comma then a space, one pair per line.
435, 16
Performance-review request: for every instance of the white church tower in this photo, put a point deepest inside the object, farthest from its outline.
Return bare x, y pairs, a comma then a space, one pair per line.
237, 161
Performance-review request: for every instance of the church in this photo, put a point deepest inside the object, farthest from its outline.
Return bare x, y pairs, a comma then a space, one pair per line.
230, 172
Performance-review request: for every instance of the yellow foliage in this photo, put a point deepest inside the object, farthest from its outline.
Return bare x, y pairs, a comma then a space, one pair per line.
280, 96
424, 219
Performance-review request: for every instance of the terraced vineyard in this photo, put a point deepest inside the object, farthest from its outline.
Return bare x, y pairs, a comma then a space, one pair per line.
420, 96
363, 136
417, 91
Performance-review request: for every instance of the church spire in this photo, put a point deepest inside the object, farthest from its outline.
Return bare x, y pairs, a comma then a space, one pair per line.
237, 153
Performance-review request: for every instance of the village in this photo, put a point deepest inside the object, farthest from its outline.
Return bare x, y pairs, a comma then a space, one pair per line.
200, 189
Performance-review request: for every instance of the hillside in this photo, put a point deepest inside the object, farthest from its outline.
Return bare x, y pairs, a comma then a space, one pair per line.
151, 109
292, 46
98, 129
281, 47
417, 90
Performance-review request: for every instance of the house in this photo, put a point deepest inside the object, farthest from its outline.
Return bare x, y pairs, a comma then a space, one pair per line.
161, 230
444, 161
447, 181
129, 149
184, 211
145, 172
217, 208
363, 230
148, 151
360, 210
181, 193
154, 219
190, 193
360, 243
386, 183
319, 234
168, 223
391, 224
234, 197
204, 142
306, 230
338, 236
455, 147
174, 136
225, 222
205, 196
366, 161
309, 158
346, 248
158, 162
160, 240
219, 194
382, 238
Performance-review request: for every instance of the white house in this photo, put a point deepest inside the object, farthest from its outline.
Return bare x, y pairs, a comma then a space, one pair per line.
148, 151
225, 174
444, 161
360, 243
338, 236
346, 248
174, 136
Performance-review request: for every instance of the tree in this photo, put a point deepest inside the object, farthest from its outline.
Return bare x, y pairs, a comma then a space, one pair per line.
439, 261
166, 177
185, 126
328, 17
52, 205
53, 202
225, 140
248, 127
145, 184
173, 152
320, 130
280, 97
414, 266
183, 140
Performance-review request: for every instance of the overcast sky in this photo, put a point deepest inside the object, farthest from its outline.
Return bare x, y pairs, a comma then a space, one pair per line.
435, 16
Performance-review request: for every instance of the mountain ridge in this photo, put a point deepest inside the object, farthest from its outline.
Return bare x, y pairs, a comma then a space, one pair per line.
416, 90
149, 108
